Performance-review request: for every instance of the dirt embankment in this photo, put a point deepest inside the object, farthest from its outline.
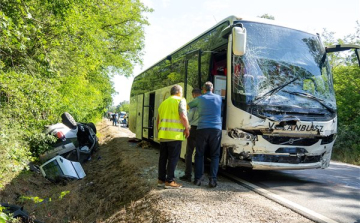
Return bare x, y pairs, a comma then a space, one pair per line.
120, 186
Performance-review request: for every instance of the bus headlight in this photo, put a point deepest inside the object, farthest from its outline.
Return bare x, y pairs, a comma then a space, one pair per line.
239, 134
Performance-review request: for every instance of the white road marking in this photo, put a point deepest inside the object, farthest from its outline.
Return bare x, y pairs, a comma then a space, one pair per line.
312, 215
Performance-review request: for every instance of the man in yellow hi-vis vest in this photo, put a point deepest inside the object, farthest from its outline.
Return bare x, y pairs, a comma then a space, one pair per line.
173, 128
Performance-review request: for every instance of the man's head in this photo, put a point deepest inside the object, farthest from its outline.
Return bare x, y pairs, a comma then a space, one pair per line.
196, 92
208, 86
176, 90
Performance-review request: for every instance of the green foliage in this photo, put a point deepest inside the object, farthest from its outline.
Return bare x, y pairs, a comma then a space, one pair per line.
347, 88
40, 143
58, 56
36, 200
347, 145
8, 218
63, 194
4, 218
123, 107
14, 153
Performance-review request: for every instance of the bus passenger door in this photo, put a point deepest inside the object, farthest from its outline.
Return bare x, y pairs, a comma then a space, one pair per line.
139, 115
192, 80
148, 116
218, 77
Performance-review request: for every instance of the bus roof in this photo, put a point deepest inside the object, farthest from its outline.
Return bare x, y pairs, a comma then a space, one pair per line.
231, 19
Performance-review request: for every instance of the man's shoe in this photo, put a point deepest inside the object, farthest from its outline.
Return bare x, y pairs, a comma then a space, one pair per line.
212, 183
197, 182
186, 178
172, 185
160, 183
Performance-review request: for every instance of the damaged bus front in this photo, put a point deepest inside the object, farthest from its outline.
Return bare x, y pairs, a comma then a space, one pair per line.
281, 107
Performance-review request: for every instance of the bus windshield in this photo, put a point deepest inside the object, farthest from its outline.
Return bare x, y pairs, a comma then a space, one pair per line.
282, 72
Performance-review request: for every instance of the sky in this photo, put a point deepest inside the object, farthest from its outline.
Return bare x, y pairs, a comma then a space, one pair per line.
173, 23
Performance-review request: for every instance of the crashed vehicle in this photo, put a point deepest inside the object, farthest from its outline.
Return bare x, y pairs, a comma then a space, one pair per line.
59, 168
279, 106
75, 141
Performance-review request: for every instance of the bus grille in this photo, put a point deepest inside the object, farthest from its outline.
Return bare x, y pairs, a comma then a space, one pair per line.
285, 158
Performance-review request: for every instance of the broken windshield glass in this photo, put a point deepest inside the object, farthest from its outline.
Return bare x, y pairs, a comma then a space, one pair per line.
312, 97
274, 90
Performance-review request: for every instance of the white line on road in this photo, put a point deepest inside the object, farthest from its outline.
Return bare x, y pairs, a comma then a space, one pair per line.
312, 215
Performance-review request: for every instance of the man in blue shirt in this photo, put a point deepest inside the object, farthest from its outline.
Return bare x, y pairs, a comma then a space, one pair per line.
208, 133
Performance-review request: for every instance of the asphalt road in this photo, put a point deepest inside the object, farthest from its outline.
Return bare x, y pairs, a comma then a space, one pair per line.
333, 192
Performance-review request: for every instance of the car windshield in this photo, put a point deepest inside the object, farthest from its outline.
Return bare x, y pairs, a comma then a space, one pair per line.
279, 61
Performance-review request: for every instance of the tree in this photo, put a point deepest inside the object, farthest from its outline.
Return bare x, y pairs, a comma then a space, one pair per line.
123, 107
58, 56
267, 16
74, 46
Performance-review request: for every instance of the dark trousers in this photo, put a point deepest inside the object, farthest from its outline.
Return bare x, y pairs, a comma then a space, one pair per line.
169, 156
207, 139
190, 146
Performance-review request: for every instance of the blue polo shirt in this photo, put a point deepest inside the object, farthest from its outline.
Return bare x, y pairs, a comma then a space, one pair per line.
209, 108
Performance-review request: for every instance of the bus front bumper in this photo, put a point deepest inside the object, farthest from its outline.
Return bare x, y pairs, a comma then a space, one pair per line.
284, 166
275, 161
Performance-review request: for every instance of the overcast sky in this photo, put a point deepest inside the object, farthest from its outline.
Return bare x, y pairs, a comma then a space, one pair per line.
175, 22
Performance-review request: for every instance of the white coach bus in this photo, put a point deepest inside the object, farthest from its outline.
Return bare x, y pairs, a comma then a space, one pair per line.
279, 107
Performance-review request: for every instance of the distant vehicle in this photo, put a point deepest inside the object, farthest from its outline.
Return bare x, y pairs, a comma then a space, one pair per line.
279, 107
121, 118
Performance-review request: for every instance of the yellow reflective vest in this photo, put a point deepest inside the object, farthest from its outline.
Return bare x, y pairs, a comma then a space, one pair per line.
170, 126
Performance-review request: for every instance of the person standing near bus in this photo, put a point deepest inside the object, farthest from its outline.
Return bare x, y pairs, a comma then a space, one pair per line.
193, 117
208, 133
114, 117
173, 128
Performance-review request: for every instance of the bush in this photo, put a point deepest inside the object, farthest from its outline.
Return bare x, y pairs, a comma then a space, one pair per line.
347, 145
40, 143
14, 154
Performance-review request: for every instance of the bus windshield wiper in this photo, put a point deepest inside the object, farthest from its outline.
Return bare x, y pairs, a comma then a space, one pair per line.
307, 95
274, 90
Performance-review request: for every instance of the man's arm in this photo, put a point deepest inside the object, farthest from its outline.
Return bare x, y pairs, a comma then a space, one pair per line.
157, 122
193, 103
185, 122
183, 117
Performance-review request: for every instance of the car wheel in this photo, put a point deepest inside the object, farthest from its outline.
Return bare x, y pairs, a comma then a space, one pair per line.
68, 120
92, 126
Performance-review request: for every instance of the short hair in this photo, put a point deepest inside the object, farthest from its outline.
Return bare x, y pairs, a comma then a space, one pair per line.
175, 89
208, 86
196, 91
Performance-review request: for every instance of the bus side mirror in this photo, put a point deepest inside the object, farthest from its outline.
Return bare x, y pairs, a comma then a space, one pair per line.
343, 47
239, 41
